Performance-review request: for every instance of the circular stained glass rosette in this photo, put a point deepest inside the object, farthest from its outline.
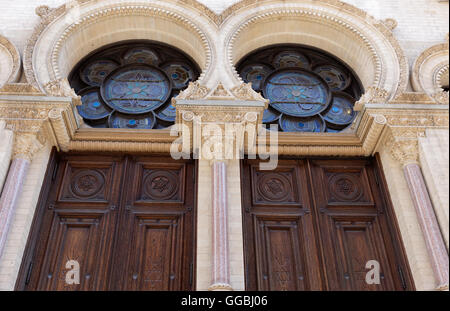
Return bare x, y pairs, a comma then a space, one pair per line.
136, 89
341, 109
291, 59
270, 115
166, 113
180, 73
293, 124
92, 107
255, 73
141, 56
336, 78
297, 92
118, 120
94, 73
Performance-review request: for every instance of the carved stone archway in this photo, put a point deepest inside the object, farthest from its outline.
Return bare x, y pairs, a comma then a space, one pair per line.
70, 32
365, 44
9, 62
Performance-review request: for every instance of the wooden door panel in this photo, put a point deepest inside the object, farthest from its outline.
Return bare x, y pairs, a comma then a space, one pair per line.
277, 219
280, 259
75, 237
154, 261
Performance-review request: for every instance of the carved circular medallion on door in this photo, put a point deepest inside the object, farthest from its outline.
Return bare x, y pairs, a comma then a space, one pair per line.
274, 187
161, 185
345, 187
87, 183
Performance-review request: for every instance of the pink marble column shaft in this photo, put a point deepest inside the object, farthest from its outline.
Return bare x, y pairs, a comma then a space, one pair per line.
10, 195
221, 267
428, 223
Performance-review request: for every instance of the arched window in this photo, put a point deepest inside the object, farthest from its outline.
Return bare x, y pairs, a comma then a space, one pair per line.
309, 91
130, 85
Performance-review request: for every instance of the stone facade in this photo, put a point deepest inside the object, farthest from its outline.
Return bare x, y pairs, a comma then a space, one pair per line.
400, 52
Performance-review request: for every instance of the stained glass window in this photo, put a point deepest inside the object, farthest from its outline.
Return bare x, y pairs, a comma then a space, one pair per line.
308, 90
131, 85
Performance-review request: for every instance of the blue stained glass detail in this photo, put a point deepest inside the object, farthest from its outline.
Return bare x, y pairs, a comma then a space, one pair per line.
118, 120
291, 59
297, 92
167, 113
141, 56
255, 74
136, 89
180, 73
270, 115
294, 124
94, 73
92, 108
336, 78
341, 111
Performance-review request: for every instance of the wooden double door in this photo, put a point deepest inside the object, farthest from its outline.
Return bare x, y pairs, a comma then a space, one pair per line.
314, 224
128, 221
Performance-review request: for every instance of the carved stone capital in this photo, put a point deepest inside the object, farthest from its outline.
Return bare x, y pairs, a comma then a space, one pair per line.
26, 145
220, 287
403, 150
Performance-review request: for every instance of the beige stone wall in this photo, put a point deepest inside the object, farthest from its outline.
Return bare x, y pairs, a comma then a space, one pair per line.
421, 23
434, 160
21, 223
6, 139
204, 225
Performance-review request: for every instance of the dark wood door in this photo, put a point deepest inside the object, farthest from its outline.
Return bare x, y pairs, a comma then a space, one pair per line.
128, 221
314, 224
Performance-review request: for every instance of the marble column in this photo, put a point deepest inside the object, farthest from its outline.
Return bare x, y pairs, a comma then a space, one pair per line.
220, 257
25, 145
405, 150
428, 223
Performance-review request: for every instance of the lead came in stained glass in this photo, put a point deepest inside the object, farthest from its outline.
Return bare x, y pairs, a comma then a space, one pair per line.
291, 59
336, 78
119, 120
297, 92
136, 89
142, 56
131, 85
180, 74
341, 109
308, 91
311, 124
95, 72
256, 74
92, 107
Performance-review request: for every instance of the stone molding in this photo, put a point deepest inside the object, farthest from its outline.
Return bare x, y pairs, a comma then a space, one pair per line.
10, 61
430, 72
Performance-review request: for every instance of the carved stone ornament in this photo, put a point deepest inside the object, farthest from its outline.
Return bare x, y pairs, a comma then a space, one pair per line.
26, 145
403, 150
193, 91
62, 88
43, 10
373, 95
441, 97
390, 23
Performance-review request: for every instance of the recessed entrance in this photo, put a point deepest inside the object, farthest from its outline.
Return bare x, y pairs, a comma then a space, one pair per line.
128, 221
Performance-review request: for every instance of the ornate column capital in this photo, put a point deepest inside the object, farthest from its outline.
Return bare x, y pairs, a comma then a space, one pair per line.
403, 150
26, 145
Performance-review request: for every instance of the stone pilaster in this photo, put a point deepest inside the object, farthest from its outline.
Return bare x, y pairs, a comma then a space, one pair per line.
405, 150
25, 146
